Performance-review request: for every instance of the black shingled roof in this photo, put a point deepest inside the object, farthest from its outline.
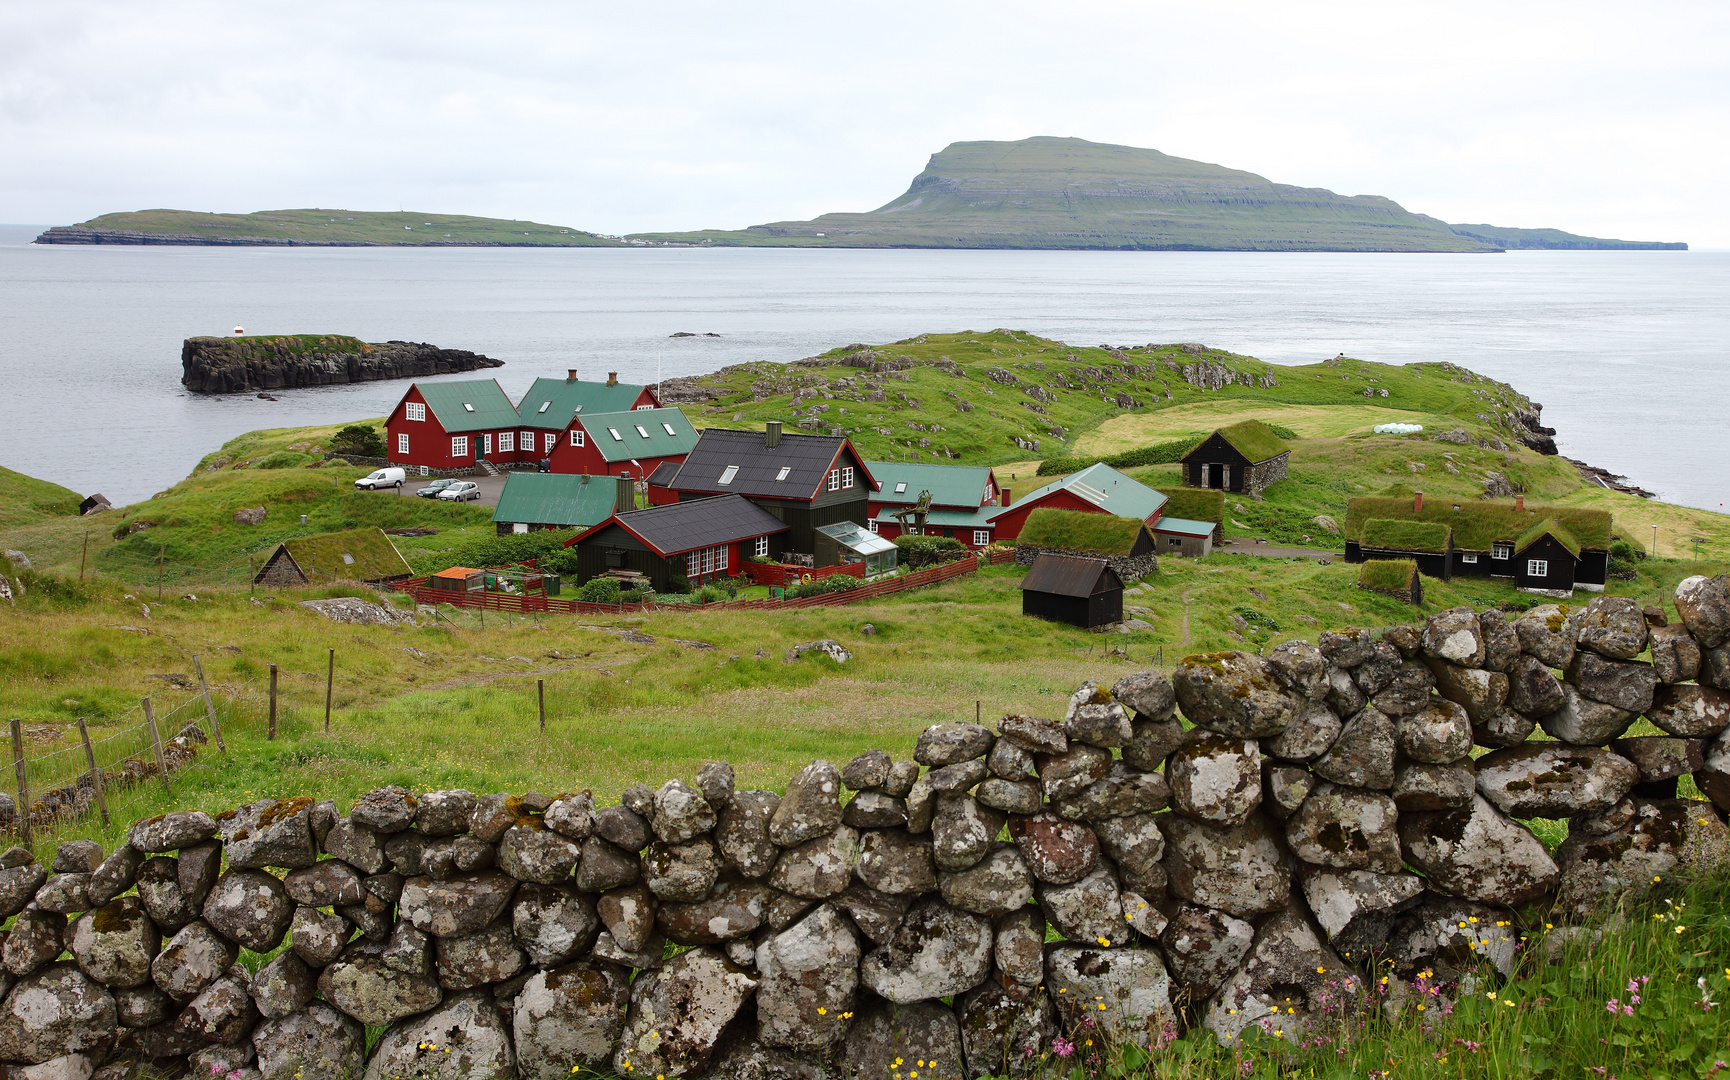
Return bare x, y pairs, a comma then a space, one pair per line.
664, 474
1069, 575
700, 523
806, 457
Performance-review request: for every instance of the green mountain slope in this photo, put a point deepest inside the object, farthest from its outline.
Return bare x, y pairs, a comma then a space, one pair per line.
1070, 193
317, 228
1557, 240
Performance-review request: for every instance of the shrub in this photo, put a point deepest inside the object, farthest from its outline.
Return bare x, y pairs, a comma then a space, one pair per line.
1158, 454
601, 590
1622, 569
834, 583
282, 459
514, 548
1280, 430
1622, 549
917, 552
358, 439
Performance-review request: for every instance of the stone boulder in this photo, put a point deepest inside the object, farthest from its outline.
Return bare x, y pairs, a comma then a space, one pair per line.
283, 986
1313, 729
681, 871
35, 938
1477, 853
1203, 947
1356, 908
1290, 975
1532, 689
115, 943
535, 853
1093, 717
1073, 771
318, 936
1585, 722
116, 875
996, 885
489, 955
867, 772
1131, 984
251, 907
1148, 694
460, 905
1479, 691
1549, 633
1690, 711
172, 831
742, 833
1003, 1031
819, 867
1439, 734
1346, 828
1363, 755
678, 1013
1418, 786
222, 1012
1501, 641
1613, 626
896, 862
1455, 637
1675, 654
1285, 787
1088, 911
1058, 852
948, 744
57, 1010
318, 1043
1137, 846
1018, 946
465, 1038
270, 832
937, 951
811, 807
1626, 684
1301, 668
888, 1038
1242, 870
1033, 734
1452, 938
566, 1017
733, 909
1216, 779
1233, 693
808, 976
681, 813
1659, 835
1704, 605
1152, 742
962, 831
376, 994
876, 914
1347, 647
447, 813
193, 959
1554, 780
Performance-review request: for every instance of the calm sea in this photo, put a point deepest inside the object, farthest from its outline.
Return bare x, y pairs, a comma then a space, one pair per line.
1628, 351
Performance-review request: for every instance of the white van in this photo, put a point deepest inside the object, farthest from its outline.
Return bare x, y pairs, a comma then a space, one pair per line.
383, 478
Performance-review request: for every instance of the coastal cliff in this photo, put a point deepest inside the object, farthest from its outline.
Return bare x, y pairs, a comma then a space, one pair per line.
216, 365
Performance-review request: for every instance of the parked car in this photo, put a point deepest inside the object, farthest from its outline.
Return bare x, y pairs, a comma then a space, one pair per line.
461, 491
434, 488
382, 478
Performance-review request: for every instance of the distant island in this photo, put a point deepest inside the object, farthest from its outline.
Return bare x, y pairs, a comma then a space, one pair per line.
318, 228
1039, 193
227, 365
1070, 193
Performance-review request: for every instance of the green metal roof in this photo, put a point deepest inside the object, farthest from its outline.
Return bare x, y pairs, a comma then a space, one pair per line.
949, 485
550, 403
469, 404
972, 519
556, 499
642, 433
1104, 487
1183, 527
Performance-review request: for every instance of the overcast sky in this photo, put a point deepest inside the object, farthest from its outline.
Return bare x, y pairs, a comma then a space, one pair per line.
1606, 119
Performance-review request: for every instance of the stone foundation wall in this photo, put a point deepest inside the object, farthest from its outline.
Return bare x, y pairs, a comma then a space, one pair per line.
1258, 476
1128, 568
1258, 862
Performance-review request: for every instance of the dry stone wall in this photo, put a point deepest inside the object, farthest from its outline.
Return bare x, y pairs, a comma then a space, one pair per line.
1321, 814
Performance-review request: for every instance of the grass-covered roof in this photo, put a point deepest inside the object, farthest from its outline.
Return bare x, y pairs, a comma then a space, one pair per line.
1387, 574
1196, 504
1556, 530
357, 554
1254, 440
1080, 530
1479, 523
1388, 534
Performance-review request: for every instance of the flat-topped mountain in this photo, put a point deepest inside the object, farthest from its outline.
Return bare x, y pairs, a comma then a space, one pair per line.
317, 228
1070, 193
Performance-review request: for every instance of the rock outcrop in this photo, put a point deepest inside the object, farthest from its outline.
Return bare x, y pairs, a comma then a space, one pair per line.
213, 365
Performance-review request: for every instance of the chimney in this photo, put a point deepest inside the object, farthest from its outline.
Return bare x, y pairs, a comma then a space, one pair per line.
585, 478
1003, 496
626, 499
1519, 502
1417, 502
570, 374
772, 433
612, 378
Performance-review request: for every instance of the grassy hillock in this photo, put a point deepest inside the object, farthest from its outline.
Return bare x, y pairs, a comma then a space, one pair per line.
28, 501
321, 228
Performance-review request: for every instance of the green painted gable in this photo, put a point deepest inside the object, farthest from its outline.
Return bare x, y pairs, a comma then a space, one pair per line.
469, 405
651, 442
556, 499
550, 403
949, 485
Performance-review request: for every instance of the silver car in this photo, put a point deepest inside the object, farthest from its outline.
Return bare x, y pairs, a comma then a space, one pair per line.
462, 491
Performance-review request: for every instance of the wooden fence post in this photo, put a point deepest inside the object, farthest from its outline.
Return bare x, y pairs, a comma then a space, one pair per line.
209, 709
23, 772
329, 684
95, 773
156, 745
161, 562
83, 557
272, 732
541, 693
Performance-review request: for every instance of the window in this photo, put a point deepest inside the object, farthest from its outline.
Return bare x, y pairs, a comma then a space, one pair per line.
641, 430
578, 437
900, 487
834, 479
402, 443
640, 408
468, 407
1174, 541
762, 548
459, 446
669, 428
1537, 568
709, 560
545, 405
872, 525
1501, 549
782, 475
414, 410
507, 441
551, 441
981, 537
614, 432
1469, 560
847, 477
727, 475
527, 442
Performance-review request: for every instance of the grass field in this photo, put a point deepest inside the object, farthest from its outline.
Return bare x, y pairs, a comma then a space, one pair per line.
313, 226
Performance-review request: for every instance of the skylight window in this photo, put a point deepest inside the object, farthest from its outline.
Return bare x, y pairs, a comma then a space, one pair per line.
727, 475
469, 407
900, 487
669, 428
782, 475
641, 430
615, 434
545, 405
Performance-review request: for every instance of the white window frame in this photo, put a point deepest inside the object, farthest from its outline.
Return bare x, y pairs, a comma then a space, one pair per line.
641, 430
486, 446
847, 477
577, 437
402, 442
414, 410
641, 408
507, 442
900, 487
526, 442
1538, 568
834, 479
1501, 551
550, 440
545, 405
693, 564
782, 475
727, 475
981, 537
614, 432
459, 446
762, 547
872, 525
669, 428
1468, 560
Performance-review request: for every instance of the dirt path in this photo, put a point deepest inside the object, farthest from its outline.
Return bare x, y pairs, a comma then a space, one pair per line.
1274, 551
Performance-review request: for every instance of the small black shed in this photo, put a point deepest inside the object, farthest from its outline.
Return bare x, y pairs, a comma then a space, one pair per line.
1073, 589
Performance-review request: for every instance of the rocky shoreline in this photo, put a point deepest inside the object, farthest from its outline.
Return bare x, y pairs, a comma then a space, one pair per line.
213, 365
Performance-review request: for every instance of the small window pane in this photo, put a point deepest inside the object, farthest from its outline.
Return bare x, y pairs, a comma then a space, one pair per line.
615, 433
782, 475
727, 474
641, 430
669, 428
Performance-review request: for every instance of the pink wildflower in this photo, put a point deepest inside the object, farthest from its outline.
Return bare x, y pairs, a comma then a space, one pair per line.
1062, 1047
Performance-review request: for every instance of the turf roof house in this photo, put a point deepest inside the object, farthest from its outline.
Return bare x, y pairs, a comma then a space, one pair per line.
1243, 457
533, 501
1538, 547
694, 541
449, 426
551, 407
963, 497
805, 481
365, 555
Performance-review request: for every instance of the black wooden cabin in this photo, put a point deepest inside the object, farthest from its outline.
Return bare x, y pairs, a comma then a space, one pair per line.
1072, 589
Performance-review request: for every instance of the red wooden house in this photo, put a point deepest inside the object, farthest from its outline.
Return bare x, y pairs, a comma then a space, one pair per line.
1097, 489
449, 425
623, 443
551, 405
963, 497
